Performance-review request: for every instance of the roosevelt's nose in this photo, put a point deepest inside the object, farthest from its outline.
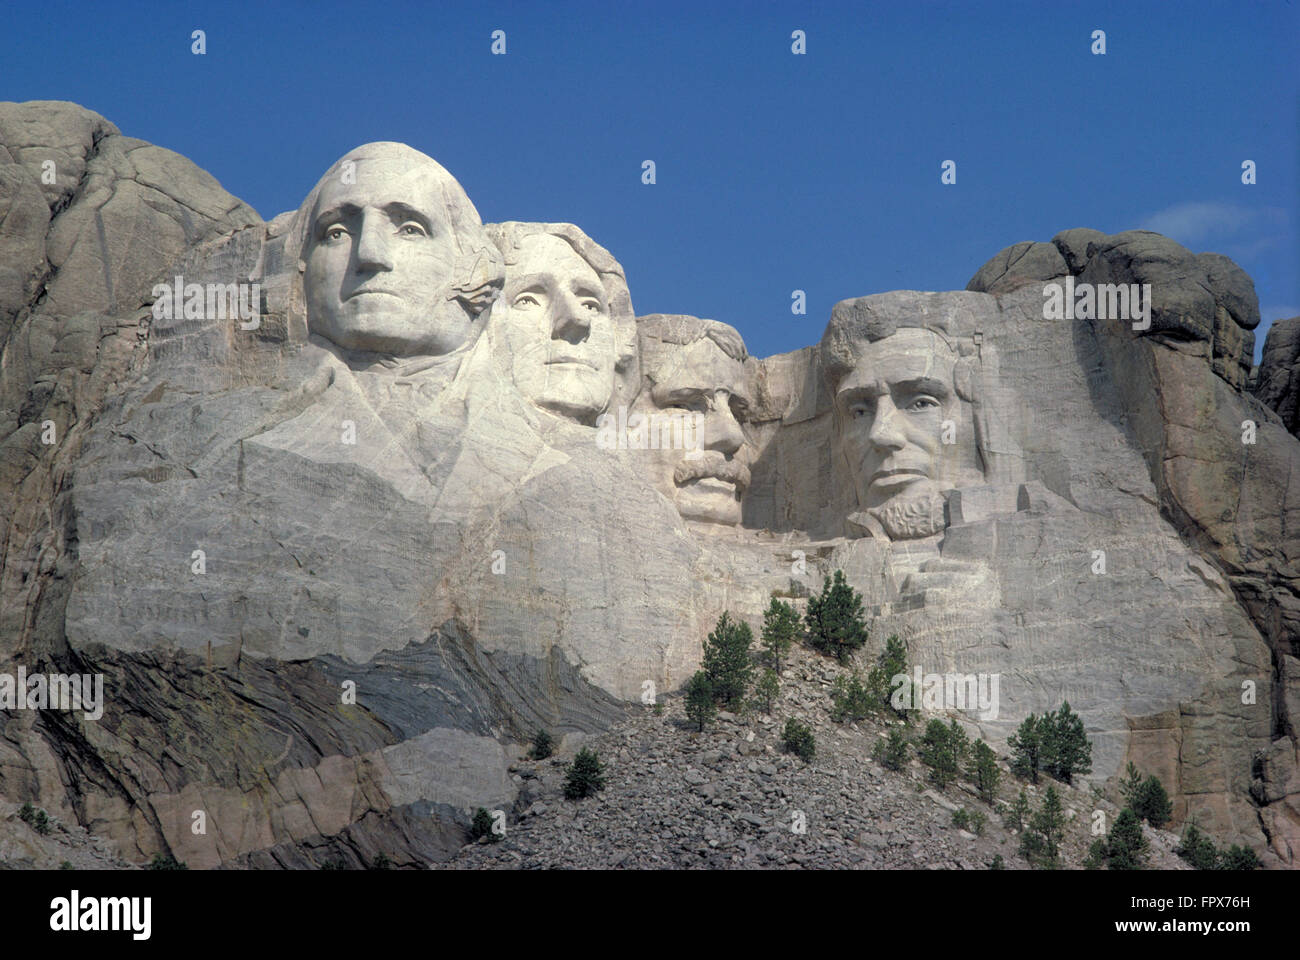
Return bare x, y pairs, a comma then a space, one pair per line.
886, 431
373, 251
570, 320
722, 431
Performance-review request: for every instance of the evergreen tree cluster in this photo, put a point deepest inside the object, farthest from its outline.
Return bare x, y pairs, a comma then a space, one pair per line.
1040, 843
1147, 798
1055, 743
798, 739
834, 620
892, 752
727, 660
584, 776
1199, 850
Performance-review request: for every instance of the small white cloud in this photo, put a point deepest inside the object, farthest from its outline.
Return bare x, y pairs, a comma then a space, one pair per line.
1192, 224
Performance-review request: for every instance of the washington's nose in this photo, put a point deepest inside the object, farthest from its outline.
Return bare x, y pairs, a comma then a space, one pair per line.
722, 431
373, 253
569, 321
886, 431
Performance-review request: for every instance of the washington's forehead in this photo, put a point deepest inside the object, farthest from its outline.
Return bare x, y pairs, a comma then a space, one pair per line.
378, 184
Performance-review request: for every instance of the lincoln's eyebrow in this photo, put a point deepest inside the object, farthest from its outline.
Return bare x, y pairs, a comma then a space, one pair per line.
862, 391
923, 385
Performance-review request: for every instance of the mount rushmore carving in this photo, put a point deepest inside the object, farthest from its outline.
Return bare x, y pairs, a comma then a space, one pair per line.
450, 469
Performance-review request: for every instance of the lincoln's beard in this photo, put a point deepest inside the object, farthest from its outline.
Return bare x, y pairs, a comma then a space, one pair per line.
911, 518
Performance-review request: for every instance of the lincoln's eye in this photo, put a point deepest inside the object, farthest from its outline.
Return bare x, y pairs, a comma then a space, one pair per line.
923, 403
412, 229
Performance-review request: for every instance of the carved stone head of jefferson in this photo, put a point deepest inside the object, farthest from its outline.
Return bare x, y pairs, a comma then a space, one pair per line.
563, 325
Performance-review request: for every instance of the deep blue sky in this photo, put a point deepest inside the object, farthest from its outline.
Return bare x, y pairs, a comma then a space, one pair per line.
775, 172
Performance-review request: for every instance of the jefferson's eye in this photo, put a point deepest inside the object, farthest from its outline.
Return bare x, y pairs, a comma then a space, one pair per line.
412, 229
592, 305
527, 300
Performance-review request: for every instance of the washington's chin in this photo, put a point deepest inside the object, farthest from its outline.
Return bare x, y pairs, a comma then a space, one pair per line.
709, 500
371, 323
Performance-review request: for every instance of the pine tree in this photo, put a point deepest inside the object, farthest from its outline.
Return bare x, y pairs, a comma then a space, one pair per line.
1197, 849
780, 628
836, 624
891, 753
798, 739
584, 776
880, 681
1017, 817
984, 772
1064, 748
959, 741
701, 707
850, 700
543, 745
482, 825
767, 689
1238, 858
1128, 787
1152, 804
1049, 823
726, 659
1098, 852
1026, 746
939, 753
1126, 847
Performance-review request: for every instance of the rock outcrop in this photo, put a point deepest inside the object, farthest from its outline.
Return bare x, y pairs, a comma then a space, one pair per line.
345, 505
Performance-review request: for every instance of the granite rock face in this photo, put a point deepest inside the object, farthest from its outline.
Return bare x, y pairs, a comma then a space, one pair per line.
345, 505
1278, 376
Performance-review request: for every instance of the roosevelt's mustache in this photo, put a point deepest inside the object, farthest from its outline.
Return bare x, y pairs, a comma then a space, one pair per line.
711, 463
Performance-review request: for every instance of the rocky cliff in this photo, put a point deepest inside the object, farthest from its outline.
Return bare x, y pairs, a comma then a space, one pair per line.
334, 574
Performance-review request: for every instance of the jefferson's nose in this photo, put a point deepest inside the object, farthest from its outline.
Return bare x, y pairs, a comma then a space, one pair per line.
569, 319
372, 247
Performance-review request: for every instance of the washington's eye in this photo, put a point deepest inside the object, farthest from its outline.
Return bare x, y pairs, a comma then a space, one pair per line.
412, 229
336, 232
